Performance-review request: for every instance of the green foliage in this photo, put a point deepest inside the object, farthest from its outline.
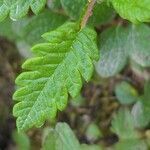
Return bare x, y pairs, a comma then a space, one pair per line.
7, 31
93, 132
31, 29
59, 65
139, 48
102, 14
54, 5
126, 94
90, 147
21, 140
62, 137
74, 8
118, 44
146, 90
78, 101
19, 8
44, 89
123, 126
131, 144
141, 109
140, 116
136, 10
113, 52
63, 59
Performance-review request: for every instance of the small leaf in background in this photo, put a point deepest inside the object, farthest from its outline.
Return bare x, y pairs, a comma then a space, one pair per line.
31, 29
90, 147
123, 125
125, 93
139, 70
21, 140
78, 101
138, 114
54, 4
102, 14
138, 45
147, 90
7, 31
61, 138
134, 10
74, 8
70, 142
50, 140
141, 109
93, 132
117, 44
131, 144
113, 52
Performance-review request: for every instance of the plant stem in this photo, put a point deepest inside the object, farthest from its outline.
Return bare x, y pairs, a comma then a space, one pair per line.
88, 13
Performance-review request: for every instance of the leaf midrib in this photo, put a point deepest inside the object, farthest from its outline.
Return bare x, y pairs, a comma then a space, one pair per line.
60, 64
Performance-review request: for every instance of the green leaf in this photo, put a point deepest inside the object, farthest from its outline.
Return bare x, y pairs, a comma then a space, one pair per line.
31, 29
74, 8
56, 70
126, 94
139, 70
146, 110
62, 137
141, 109
113, 51
19, 8
146, 99
93, 132
54, 5
102, 14
139, 48
21, 140
7, 31
133, 10
139, 115
3, 10
132, 144
51, 140
117, 44
123, 125
90, 147
78, 101
146, 90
